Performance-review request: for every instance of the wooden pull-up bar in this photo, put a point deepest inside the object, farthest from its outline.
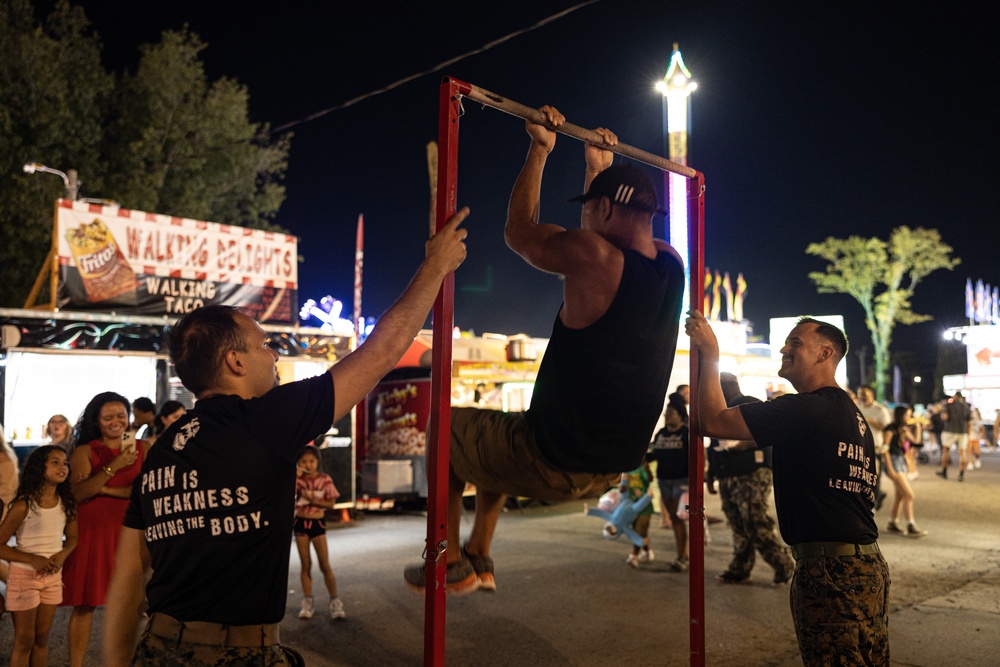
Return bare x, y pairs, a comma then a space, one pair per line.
483, 96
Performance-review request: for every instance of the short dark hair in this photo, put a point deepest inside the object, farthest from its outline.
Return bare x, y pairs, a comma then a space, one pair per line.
829, 332
145, 404
198, 342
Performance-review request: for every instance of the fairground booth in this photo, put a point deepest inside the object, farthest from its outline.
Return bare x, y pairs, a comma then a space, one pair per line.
117, 280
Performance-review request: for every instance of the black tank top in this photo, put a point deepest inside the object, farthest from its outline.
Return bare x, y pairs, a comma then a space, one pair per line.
600, 389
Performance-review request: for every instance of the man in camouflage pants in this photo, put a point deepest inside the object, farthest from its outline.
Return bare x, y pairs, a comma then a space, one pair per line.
823, 453
744, 474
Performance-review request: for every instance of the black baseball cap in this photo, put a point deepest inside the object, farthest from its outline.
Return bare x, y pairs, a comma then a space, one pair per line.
624, 185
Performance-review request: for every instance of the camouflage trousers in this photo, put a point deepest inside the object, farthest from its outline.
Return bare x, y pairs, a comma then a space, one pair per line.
157, 651
840, 609
745, 504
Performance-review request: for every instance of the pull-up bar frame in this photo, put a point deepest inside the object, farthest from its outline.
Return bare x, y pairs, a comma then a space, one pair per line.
438, 454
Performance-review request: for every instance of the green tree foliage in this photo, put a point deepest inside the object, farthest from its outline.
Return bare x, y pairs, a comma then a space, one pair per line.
882, 277
52, 90
163, 139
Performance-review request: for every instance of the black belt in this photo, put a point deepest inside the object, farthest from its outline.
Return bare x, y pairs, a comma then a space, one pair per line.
213, 634
831, 549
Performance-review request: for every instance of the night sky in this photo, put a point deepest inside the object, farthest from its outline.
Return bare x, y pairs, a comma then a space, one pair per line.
808, 122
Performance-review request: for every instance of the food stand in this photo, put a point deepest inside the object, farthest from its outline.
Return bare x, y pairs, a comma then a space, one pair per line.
118, 279
492, 371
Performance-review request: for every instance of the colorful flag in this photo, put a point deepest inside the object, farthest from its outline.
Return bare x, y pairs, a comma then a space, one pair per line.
970, 306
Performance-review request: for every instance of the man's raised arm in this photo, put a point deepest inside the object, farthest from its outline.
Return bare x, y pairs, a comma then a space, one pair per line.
357, 373
715, 419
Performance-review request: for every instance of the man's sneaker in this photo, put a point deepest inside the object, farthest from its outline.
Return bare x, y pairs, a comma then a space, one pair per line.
633, 560
893, 527
943, 473
337, 609
913, 531
483, 567
728, 577
307, 608
681, 564
460, 578
961, 475
646, 556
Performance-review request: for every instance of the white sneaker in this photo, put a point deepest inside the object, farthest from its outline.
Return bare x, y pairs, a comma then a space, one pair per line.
632, 560
978, 464
646, 556
307, 608
337, 609
969, 466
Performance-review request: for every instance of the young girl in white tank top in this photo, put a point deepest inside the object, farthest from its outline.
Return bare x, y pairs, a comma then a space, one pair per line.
41, 516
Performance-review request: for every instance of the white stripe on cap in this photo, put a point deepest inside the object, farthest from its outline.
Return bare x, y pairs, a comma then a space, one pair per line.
624, 194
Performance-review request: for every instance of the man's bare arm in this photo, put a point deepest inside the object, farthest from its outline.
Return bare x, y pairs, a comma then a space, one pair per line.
125, 595
714, 418
357, 373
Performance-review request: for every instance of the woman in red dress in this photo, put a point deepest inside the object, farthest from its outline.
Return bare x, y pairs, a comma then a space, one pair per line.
103, 465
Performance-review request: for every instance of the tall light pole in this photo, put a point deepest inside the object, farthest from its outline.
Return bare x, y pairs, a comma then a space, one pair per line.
70, 180
676, 88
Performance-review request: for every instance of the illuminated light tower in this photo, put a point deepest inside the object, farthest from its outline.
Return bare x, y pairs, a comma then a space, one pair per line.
676, 88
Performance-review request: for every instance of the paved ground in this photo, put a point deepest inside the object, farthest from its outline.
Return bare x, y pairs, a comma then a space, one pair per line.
566, 596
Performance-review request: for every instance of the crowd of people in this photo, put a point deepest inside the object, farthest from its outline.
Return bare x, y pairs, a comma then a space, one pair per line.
63, 515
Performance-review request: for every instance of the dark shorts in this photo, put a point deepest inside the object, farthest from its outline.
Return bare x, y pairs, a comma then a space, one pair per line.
309, 527
496, 452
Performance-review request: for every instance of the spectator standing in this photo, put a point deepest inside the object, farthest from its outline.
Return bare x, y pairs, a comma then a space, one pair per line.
103, 466
977, 435
956, 417
60, 433
43, 513
170, 412
824, 476
896, 436
315, 493
143, 414
745, 480
669, 450
878, 418
8, 473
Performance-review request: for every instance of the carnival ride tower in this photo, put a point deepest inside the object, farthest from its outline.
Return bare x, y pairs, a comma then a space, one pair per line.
676, 88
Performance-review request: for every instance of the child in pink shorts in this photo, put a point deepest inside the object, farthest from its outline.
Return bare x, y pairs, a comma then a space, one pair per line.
41, 515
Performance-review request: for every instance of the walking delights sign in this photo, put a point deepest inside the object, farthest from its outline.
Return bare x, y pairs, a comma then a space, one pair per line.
134, 262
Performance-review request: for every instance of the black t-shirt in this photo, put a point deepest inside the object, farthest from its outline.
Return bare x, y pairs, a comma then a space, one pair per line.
216, 503
670, 451
824, 465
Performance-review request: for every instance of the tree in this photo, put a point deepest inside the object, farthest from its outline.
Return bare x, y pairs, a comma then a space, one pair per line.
882, 277
163, 139
52, 90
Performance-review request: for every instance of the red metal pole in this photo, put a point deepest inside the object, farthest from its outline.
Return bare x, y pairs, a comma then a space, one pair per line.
696, 486
440, 422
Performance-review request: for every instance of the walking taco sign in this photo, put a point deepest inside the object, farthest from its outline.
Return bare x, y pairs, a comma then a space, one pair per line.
133, 262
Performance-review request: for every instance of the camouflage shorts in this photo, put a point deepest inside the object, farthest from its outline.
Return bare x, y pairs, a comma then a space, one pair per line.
156, 651
840, 609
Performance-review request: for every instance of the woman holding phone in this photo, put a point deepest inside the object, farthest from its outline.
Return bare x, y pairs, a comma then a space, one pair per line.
106, 460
